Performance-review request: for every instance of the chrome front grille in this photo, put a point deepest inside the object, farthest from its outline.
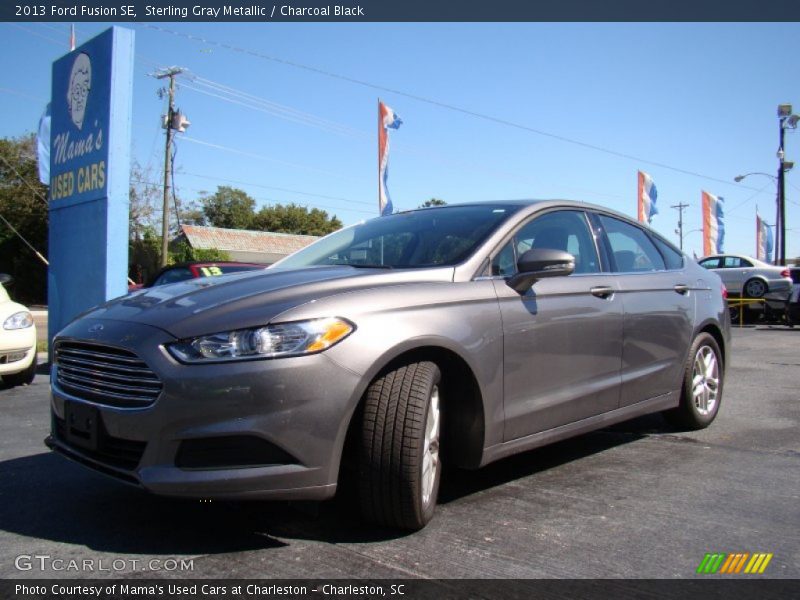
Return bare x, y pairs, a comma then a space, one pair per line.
105, 374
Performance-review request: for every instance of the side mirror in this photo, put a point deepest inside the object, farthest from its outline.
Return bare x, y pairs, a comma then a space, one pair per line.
5, 278
540, 263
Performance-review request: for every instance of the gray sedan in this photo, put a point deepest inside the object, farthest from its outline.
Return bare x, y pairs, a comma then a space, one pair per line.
459, 334
748, 276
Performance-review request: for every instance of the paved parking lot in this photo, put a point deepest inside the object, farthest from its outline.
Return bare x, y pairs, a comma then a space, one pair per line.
635, 500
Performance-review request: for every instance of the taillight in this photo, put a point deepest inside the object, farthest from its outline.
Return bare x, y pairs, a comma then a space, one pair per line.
785, 273
724, 292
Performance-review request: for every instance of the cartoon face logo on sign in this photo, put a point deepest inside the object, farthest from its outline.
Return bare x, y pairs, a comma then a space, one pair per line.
80, 82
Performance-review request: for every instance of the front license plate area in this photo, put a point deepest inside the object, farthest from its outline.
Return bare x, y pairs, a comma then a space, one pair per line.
83, 424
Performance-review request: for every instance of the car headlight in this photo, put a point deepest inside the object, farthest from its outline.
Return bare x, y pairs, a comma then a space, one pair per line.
19, 320
271, 341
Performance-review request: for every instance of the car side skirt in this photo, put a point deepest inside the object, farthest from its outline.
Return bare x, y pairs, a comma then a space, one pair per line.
543, 438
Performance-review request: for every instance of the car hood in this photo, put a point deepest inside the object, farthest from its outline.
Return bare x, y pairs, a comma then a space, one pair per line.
248, 299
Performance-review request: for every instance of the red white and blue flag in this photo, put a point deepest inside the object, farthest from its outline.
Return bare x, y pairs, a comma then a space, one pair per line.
647, 195
764, 241
713, 224
387, 119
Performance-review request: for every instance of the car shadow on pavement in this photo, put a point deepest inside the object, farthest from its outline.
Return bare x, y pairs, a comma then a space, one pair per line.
48, 497
778, 328
460, 483
339, 522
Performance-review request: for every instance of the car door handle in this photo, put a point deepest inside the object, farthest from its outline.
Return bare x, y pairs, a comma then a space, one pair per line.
682, 288
602, 291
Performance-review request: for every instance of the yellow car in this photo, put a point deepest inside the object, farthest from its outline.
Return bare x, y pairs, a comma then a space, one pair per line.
17, 340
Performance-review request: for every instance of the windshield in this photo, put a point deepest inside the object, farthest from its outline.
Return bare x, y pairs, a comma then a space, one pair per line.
425, 238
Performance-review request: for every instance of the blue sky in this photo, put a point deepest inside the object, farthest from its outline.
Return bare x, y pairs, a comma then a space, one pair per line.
689, 97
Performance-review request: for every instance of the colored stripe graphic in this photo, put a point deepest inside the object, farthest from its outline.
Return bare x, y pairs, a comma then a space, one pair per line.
734, 563
711, 563
759, 562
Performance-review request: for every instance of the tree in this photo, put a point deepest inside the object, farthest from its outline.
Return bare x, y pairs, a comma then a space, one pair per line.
432, 202
23, 203
181, 252
229, 207
145, 199
292, 218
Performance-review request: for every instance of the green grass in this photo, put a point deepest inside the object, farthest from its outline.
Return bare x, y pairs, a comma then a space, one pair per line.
41, 346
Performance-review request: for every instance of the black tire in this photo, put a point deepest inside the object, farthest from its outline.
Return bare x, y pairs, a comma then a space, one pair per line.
754, 288
397, 410
690, 413
22, 378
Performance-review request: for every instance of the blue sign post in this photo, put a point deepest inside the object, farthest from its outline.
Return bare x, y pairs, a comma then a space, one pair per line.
90, 141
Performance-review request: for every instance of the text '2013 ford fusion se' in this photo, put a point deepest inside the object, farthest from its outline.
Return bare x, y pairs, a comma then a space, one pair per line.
458, 334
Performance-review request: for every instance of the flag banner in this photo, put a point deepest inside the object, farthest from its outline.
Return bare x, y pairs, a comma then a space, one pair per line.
43, 146
713, 224
646, 195
764, 240
387, 119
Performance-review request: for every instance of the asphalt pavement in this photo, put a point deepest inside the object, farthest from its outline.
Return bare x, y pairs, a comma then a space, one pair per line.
638, 500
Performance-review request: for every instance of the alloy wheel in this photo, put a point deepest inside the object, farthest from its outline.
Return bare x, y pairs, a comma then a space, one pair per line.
705, 380
430, 460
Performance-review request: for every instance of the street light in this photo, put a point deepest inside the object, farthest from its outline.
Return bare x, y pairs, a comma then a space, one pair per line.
787, 121
686, 234
738, 178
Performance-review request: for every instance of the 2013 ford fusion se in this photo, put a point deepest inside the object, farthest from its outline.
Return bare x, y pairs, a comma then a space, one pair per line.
458, 334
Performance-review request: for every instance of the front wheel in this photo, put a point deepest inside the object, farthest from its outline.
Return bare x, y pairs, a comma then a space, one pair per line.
701, 392
399, 466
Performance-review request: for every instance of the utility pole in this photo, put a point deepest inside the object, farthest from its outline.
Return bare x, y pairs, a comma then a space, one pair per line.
171, 73
780, 225
679, 207
787, 121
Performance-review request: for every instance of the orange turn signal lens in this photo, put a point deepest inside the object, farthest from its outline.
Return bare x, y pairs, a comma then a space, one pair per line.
334, 331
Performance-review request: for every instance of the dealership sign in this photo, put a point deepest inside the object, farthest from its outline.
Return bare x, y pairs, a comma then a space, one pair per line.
80, 123
89, 175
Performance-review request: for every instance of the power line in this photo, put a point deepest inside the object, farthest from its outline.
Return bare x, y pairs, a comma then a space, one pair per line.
26, 242
263, 157
279, 189
452, 107
267, 201
36, 192
19, 93
746, 200
39, 35
241, 98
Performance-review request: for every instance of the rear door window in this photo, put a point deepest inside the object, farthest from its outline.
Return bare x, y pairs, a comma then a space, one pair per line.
732, 262
671, 255
631, 247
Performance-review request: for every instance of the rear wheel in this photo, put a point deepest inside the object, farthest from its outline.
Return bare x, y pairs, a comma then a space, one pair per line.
701, 392
399, 466
755, 288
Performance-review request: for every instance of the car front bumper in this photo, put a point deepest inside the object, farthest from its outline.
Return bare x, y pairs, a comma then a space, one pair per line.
17, 350
262, 429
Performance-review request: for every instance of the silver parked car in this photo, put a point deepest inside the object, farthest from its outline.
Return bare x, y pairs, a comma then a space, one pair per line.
747, 276
459, 334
